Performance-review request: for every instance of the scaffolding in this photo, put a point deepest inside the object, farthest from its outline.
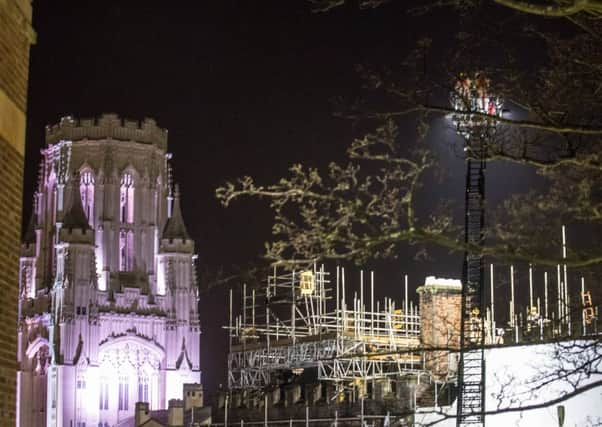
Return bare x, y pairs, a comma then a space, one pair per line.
297, 321
356, 344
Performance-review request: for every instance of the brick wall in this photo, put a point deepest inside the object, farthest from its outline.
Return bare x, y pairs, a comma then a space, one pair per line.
440, 311
16, 35
11, 190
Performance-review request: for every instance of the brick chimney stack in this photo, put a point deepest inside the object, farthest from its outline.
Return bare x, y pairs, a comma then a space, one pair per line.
175, 413
193, 396
440, 311
141, 414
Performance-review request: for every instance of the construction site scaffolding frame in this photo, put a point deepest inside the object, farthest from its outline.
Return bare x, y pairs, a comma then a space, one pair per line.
293, 323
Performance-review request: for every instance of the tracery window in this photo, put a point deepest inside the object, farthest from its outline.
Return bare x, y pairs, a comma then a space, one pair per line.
81, 398
126, 200
133, 364
86, 190
104, 394
123, 393
143, 389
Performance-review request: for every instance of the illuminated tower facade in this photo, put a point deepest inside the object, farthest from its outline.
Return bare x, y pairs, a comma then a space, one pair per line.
107, 288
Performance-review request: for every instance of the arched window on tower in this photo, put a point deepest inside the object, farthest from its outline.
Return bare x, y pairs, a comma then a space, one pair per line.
126, 200
103, 393
48, 207
86, 189
143, 395
126, 217
124, 393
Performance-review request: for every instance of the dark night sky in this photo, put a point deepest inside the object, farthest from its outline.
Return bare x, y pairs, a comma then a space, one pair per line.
244, 88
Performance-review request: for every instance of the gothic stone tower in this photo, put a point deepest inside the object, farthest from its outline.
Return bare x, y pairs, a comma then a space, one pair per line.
107, 289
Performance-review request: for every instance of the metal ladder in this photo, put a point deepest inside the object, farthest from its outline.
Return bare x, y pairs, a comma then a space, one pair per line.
471, 372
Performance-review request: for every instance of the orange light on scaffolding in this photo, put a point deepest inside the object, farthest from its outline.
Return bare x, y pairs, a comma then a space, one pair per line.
307, 283
588, 309
586, 298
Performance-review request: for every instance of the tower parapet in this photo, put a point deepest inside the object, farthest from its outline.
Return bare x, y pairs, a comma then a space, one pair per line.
107, 126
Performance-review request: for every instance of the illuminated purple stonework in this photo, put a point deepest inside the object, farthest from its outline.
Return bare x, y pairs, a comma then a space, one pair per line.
108, 295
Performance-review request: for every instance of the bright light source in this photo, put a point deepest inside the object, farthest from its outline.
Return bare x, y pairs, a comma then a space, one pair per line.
473, 101
307, 283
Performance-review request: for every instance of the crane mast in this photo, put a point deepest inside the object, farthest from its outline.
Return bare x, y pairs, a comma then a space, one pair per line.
473, 105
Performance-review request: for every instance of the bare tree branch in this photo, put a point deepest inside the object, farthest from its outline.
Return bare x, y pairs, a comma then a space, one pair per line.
554, 8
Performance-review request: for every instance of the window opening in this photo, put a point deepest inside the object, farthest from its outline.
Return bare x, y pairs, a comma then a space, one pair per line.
123, 393
86, 190
127, 199
104, 395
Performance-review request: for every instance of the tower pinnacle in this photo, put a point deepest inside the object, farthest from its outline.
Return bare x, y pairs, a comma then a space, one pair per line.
175, 227
75, 216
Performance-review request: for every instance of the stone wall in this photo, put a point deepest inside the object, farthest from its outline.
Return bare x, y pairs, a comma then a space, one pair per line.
11, 176
107, 126
16, 35
440, 311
